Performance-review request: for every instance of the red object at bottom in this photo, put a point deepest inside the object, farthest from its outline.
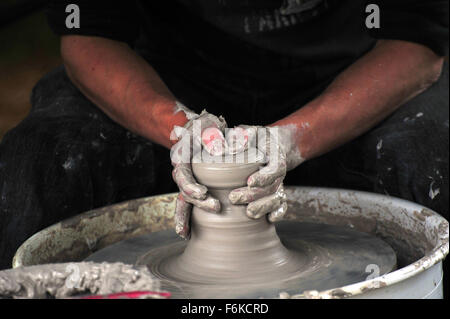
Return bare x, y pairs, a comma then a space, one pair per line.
129, 295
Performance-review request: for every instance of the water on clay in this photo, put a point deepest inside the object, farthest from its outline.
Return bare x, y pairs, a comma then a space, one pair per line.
333, 256
232, 256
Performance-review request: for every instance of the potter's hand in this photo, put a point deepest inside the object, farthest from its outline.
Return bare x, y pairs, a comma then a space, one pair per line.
205, 130
264, 193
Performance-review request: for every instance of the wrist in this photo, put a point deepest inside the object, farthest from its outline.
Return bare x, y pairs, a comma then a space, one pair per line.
164, 117
288, 138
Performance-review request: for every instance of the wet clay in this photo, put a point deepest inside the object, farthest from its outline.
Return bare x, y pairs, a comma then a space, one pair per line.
229, 247
335, 256
232, 256
69, 279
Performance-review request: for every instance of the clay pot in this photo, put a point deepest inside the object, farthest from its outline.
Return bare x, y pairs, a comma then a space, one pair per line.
229, 246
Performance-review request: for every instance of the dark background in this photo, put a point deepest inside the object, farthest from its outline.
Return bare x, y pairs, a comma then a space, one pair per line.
28, 50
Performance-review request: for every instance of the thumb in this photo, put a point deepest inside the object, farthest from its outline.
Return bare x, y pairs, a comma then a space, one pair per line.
213, 141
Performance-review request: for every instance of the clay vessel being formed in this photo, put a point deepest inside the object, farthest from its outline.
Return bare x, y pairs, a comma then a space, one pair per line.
231, 255
229, 247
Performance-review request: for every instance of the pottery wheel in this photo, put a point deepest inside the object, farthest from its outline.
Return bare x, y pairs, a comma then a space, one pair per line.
334, 256
230, 255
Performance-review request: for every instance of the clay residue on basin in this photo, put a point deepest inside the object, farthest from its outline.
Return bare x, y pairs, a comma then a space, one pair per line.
76, 238
412, 231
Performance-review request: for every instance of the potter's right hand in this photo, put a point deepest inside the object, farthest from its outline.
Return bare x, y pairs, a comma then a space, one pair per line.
206, 130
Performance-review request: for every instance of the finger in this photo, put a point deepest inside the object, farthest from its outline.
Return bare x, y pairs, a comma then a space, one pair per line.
278, 214
263, 206
267, 175
209, 120
267, 204
245, 195
182, 175
182, 217
213, 141
209, 204
251, 131
237, 140
276, 166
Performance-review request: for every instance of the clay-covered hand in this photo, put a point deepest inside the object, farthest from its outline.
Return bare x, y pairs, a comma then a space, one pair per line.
205, 130
265, 193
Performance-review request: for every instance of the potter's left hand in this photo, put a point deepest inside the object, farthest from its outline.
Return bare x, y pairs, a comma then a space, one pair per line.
265, 193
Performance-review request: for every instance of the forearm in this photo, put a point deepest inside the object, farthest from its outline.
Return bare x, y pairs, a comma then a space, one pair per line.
123, 85
363, 95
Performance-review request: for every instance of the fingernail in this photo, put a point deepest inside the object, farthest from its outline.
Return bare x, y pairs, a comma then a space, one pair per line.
234, 197
199, 191
251, 214
212, 206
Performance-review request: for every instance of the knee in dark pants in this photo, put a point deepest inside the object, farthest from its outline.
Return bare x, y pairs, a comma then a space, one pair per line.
408, 152
409, 159
35, 186
20, 211
65, 158
56, 167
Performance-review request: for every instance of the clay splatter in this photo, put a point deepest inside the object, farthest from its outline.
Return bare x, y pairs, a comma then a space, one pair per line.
433, 192
379, 146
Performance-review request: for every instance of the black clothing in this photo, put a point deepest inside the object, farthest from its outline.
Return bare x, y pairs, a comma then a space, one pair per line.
304, 27
252, 45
